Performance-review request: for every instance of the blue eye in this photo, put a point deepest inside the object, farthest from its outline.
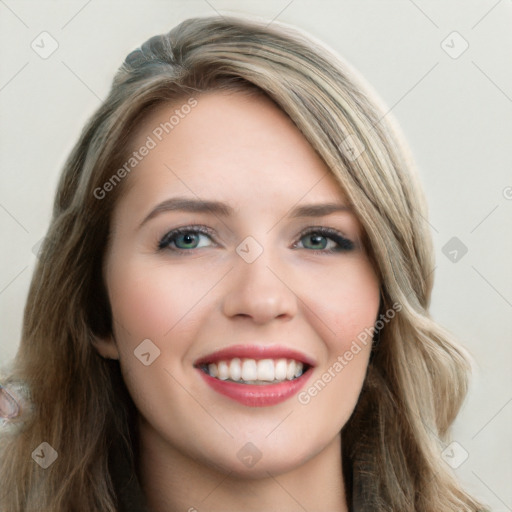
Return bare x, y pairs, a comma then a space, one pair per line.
320, 236
185, 239
188, 236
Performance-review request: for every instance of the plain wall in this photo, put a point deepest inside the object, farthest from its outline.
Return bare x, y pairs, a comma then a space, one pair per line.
455, 111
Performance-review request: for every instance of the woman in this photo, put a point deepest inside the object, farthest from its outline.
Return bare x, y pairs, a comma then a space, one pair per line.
251, 371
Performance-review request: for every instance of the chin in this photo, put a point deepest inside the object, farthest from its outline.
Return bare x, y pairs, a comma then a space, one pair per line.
250, 462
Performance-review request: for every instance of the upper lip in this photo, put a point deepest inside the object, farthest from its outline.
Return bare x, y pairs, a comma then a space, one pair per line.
255, 352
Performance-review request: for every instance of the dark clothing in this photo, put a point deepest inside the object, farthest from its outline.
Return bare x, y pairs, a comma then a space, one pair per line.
126, 483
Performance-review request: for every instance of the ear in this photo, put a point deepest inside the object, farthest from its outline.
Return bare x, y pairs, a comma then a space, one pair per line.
106, 347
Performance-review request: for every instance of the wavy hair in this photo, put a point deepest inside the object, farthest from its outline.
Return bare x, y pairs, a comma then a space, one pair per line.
417, 377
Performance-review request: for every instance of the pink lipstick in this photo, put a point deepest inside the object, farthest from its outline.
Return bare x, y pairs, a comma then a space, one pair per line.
256, 375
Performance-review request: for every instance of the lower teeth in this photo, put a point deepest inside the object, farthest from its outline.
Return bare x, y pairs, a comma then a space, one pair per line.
257, 382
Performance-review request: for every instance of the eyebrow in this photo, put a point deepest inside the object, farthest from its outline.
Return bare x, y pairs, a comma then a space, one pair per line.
221, 209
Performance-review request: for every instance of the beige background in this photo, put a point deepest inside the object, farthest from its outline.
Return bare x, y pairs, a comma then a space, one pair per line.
455, 112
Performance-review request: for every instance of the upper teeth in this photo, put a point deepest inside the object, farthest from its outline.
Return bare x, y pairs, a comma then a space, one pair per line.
252, 370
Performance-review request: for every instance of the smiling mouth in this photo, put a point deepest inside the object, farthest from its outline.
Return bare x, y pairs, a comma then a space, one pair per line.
262, 372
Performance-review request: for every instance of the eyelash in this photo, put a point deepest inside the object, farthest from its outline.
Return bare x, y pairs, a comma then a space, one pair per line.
344, 244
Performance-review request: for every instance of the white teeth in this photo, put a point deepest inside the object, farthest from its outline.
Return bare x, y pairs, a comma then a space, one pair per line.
290, 370
266, 370
256, 372
212, 370
249, 370
280, 369
223, 370
235, 370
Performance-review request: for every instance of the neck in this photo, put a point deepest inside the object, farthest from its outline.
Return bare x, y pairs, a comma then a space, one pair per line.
172, 481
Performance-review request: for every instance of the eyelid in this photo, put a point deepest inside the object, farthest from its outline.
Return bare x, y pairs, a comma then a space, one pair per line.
323, 229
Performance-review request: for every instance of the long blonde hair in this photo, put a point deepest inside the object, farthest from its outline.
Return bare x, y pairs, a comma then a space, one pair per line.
417, 376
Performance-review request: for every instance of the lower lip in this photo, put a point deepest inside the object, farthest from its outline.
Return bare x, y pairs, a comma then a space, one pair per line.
255, 395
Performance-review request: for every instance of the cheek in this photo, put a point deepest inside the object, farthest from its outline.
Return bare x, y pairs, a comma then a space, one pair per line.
151, 300
344, 303
343, 311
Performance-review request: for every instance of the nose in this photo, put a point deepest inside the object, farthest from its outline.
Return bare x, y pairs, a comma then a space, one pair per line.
260, 290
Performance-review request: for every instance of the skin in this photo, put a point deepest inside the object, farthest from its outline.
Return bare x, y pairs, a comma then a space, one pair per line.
246, 152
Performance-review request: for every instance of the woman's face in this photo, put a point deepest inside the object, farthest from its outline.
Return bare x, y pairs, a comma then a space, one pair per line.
262, 282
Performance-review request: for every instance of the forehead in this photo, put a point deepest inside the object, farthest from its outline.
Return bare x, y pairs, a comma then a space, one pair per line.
228, 145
